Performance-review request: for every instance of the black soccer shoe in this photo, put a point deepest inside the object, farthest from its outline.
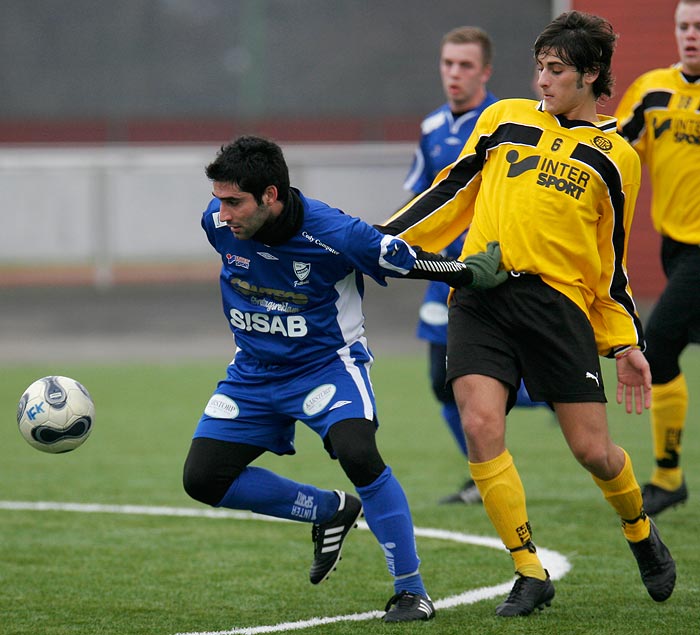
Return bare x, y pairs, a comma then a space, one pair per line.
409, 607
328, 538
468, 495
527, 595
656, 565
656, 498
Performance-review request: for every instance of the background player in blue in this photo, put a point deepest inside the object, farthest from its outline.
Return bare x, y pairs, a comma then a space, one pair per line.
465, 68
291, 284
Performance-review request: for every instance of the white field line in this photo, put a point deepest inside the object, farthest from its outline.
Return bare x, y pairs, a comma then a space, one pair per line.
554, 562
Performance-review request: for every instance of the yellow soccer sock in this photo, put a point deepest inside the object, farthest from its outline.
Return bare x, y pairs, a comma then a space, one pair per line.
623, 493
504, 501
669, 407
667, 478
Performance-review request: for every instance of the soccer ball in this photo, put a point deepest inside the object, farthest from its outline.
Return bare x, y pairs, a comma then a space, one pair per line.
55, 414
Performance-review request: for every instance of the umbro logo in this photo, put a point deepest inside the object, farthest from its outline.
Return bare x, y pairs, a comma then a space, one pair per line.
267, 256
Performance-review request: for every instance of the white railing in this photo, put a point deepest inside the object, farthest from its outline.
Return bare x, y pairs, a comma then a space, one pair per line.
99, 207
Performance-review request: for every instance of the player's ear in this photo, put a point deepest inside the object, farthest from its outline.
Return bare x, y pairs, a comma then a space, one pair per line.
270, 195
590, 77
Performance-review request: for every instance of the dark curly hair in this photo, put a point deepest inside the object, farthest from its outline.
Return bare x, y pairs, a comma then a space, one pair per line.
252, 163
584, 41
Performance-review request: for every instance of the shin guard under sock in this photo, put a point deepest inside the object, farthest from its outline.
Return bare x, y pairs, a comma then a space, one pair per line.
504, 501
623, 493
264, 492
669, 408
389, 518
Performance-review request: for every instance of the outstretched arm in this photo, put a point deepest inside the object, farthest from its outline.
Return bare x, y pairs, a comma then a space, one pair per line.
478, 271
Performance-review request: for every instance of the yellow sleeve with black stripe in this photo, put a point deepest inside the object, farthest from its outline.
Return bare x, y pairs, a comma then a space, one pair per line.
659, 115
558, 195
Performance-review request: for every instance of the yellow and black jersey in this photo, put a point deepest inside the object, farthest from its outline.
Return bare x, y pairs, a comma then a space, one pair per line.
558, 195
659, 115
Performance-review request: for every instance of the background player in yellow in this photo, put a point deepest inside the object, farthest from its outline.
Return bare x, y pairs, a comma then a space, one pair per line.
556, 185
660, 115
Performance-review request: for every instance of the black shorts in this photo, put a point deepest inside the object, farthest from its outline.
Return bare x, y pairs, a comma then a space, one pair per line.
675, 320
525, 329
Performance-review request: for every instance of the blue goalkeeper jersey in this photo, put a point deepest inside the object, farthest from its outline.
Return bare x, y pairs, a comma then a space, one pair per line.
301, 300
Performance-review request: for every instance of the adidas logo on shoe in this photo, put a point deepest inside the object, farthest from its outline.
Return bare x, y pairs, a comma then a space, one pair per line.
328, 538
409, 607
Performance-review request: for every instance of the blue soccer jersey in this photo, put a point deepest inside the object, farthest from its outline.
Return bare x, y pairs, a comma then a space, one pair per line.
302, 300
442, 138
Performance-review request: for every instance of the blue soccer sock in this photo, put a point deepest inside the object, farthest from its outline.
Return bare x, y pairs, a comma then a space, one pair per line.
388, 516
264, 492
450, 413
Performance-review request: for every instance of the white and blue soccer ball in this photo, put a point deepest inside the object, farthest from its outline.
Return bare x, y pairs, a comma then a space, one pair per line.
55, 414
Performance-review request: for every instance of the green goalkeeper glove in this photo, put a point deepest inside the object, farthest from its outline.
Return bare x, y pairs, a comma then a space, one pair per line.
484, 267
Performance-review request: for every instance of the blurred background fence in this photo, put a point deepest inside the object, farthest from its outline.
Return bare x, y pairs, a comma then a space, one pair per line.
95, 214
111, 110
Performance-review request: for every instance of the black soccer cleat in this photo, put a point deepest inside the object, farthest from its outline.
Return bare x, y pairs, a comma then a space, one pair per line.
656, 498
656, 565
468, 495
409, 607
328, 537
527, 595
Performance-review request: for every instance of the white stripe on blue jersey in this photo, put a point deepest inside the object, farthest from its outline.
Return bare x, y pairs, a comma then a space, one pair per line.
442, 139
302, 300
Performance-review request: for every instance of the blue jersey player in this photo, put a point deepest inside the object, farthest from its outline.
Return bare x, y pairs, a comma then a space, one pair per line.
465, 68
292, 284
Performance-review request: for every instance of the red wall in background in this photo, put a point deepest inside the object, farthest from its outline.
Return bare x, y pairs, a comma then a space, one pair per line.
646, 41
646, 30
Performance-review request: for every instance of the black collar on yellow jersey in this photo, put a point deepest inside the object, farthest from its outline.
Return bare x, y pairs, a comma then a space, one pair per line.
609, 124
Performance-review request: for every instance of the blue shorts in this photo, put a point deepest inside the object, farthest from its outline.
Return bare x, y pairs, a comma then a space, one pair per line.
259, 404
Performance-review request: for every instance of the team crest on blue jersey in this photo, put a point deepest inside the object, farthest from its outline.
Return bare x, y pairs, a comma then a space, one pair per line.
301, 271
